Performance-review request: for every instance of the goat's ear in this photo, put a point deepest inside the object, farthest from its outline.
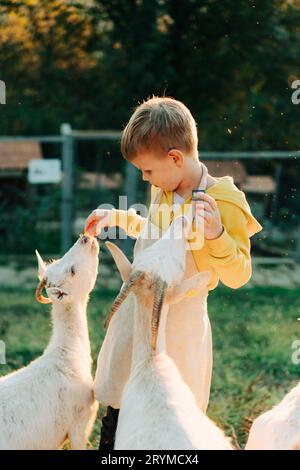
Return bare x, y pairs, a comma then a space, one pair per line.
42, 266
122, 262
190, 287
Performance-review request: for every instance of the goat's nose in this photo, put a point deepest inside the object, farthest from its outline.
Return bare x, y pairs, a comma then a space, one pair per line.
84, 239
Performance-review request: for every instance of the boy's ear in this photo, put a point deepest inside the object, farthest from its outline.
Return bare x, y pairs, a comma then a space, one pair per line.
177, 156
122, 262
41, 266
189, 287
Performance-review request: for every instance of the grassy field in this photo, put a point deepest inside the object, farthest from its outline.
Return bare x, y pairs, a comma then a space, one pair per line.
253, 330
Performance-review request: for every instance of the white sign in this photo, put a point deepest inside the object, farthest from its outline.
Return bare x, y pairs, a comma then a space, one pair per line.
44, 171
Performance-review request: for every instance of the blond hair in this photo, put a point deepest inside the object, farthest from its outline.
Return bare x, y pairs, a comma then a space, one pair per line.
157, 125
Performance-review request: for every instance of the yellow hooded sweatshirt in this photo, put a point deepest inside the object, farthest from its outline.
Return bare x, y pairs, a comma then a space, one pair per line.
226, 257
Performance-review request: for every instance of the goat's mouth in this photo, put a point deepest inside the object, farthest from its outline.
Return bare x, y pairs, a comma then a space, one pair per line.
88, 239
58, 293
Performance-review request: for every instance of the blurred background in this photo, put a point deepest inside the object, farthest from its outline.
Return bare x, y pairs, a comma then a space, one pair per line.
73, 73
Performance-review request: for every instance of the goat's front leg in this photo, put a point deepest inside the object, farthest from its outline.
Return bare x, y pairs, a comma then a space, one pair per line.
77, 442
82, 427
79, 435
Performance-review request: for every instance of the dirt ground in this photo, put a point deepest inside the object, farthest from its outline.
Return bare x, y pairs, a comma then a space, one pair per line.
283, 275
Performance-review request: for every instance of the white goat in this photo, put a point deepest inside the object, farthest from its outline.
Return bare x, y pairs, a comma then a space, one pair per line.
52, 398
158, 410
278, 428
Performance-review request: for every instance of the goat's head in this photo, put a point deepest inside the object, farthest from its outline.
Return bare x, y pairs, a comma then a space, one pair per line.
73, 276
165, 258
153, 289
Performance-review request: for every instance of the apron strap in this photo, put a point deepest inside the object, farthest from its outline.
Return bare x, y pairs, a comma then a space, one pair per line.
203, 181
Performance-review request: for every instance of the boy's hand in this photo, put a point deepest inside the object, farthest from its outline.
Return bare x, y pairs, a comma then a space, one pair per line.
98, 219
207, 209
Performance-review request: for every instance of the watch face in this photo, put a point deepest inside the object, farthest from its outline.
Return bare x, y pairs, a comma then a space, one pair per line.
196, 194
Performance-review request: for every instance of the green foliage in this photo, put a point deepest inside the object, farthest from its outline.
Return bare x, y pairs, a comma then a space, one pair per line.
90, 63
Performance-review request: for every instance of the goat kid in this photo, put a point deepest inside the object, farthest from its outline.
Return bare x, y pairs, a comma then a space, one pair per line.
52, 398
278, 428
158, 410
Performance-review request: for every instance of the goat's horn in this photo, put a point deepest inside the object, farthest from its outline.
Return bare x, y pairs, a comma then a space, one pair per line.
159, 294
38, 293
123, 295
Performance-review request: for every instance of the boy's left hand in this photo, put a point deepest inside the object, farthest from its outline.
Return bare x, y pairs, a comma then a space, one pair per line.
207, 209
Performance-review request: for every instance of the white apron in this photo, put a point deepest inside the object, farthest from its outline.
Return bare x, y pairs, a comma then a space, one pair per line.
188, 335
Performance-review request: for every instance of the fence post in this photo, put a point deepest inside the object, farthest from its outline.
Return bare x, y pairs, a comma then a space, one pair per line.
2, 92
130, 192
275, 198
298, 246
67, 187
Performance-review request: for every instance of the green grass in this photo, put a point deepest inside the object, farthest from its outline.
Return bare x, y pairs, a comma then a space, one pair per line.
253, 331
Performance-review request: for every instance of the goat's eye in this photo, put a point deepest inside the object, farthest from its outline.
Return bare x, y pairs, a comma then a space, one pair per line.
72, 271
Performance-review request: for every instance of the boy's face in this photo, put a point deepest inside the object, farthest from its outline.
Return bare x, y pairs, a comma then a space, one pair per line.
165, 172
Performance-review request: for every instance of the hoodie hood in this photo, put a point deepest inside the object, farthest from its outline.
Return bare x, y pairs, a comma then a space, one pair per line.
226, 190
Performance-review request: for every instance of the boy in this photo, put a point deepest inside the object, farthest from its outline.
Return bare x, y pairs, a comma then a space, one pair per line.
160, 140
